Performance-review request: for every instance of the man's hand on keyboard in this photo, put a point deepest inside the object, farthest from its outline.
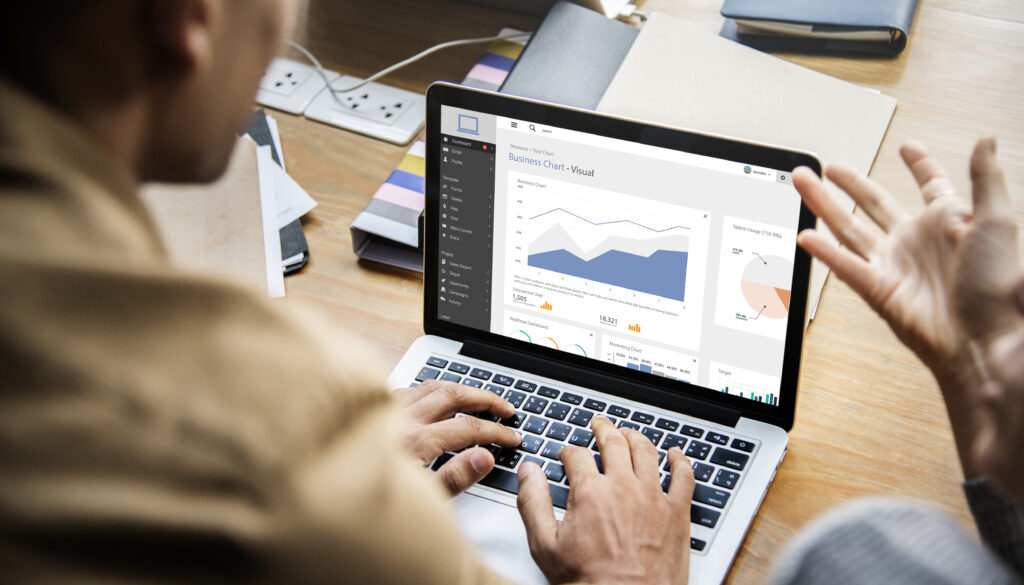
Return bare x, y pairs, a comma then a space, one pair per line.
619, 527
430, 408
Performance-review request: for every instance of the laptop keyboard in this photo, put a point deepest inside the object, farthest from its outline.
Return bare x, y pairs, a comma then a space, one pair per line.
550, 419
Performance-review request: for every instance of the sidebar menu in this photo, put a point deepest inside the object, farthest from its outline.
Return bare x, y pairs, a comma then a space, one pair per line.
467, 225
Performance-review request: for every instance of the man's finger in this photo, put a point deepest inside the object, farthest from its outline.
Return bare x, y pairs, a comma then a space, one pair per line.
612, 445
852, 269
869, 195
578, 462
459, 432
851, 231
680, 490
931, 178
465, 469
535, 507
451, 398
988, 183
644, 456
412, 395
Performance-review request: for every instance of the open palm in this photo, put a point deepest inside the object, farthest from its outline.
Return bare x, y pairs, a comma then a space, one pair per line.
942, 279
936, 277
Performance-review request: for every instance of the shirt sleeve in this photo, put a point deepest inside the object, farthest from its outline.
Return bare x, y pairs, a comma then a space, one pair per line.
1000, 522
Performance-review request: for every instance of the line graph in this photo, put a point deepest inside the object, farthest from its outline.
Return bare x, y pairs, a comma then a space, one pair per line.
614, 221
623, 257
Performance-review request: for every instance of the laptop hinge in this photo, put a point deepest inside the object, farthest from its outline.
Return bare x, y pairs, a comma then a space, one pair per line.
580, 376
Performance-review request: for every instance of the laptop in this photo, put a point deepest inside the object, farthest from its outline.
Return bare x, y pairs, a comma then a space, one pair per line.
579, 264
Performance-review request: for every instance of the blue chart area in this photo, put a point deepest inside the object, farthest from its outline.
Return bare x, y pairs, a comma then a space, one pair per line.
620, 253
663, 273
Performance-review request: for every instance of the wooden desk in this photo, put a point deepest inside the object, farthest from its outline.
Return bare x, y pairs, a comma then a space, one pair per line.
870, 420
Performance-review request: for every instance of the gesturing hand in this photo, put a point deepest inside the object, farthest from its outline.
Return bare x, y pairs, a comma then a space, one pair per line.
940, 278
618, 527
430, 408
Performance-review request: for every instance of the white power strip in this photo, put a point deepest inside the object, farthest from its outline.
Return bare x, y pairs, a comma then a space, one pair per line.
290, 86
375, 109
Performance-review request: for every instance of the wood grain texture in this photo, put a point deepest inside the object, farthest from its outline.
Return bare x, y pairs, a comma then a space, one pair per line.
870, 420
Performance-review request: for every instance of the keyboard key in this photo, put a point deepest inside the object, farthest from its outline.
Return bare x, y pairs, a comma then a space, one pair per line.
531, 459
535, 404
437, 362
693, 431
427, 374
516, 420
594, 405
525, 386
642, 418
458, 368
496, 389
665, 483
531, 443
673, 441
503, 380
618, 411
551, 450
653, 434
548, 392
515, 398
473, 383
711, 496
481, 374
581, 437
571, 398
598, 462
580, 417
450, 377
559, 496
704, 516
554, 471
508, 458
661, 456
668, 425
558, 431
702, 471
697, 544
698, 450
557, 411
441, 460
742, 445
494, 449
726, 479
502, 479
535, 424
730, 459
625, 424
717, 438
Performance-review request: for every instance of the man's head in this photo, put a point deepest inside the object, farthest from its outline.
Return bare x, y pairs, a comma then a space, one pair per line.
164, 84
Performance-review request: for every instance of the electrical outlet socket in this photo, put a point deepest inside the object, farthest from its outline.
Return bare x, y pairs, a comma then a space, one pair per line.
290, 86
377, 110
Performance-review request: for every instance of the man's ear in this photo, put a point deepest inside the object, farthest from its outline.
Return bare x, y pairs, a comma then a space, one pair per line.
181, 33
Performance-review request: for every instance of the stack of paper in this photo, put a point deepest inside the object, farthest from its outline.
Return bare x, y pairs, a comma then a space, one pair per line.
237, 226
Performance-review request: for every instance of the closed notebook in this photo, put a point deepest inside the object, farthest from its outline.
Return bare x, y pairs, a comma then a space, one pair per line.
861, 26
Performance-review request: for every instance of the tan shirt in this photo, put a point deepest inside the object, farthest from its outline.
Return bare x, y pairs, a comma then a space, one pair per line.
162, 427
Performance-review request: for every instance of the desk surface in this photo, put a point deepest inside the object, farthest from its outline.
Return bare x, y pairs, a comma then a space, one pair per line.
870, 420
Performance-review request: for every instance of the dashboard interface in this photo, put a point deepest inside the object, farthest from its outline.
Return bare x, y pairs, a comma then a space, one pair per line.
670, 263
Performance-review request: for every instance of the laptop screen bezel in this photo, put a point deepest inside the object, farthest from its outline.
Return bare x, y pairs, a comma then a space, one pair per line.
525, 110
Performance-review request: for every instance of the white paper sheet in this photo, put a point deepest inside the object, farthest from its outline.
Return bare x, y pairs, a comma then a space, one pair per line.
271, 232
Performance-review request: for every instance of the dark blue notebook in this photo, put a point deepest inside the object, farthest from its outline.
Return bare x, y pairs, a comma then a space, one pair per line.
879, 27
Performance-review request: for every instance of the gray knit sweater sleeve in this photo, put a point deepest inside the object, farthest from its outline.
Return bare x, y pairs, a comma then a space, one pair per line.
1000, 523
876, 540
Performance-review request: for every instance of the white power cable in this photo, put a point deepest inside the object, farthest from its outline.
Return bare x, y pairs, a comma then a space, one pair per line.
334, 91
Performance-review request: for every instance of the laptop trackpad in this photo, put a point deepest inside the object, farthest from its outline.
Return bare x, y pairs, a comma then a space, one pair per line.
497, 532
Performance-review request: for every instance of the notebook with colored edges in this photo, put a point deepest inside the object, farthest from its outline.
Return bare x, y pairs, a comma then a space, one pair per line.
389, 229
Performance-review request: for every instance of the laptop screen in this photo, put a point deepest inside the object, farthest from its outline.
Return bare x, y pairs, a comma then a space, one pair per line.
675, 265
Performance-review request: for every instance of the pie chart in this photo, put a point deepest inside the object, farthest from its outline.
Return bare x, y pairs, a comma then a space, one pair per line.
766, 286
